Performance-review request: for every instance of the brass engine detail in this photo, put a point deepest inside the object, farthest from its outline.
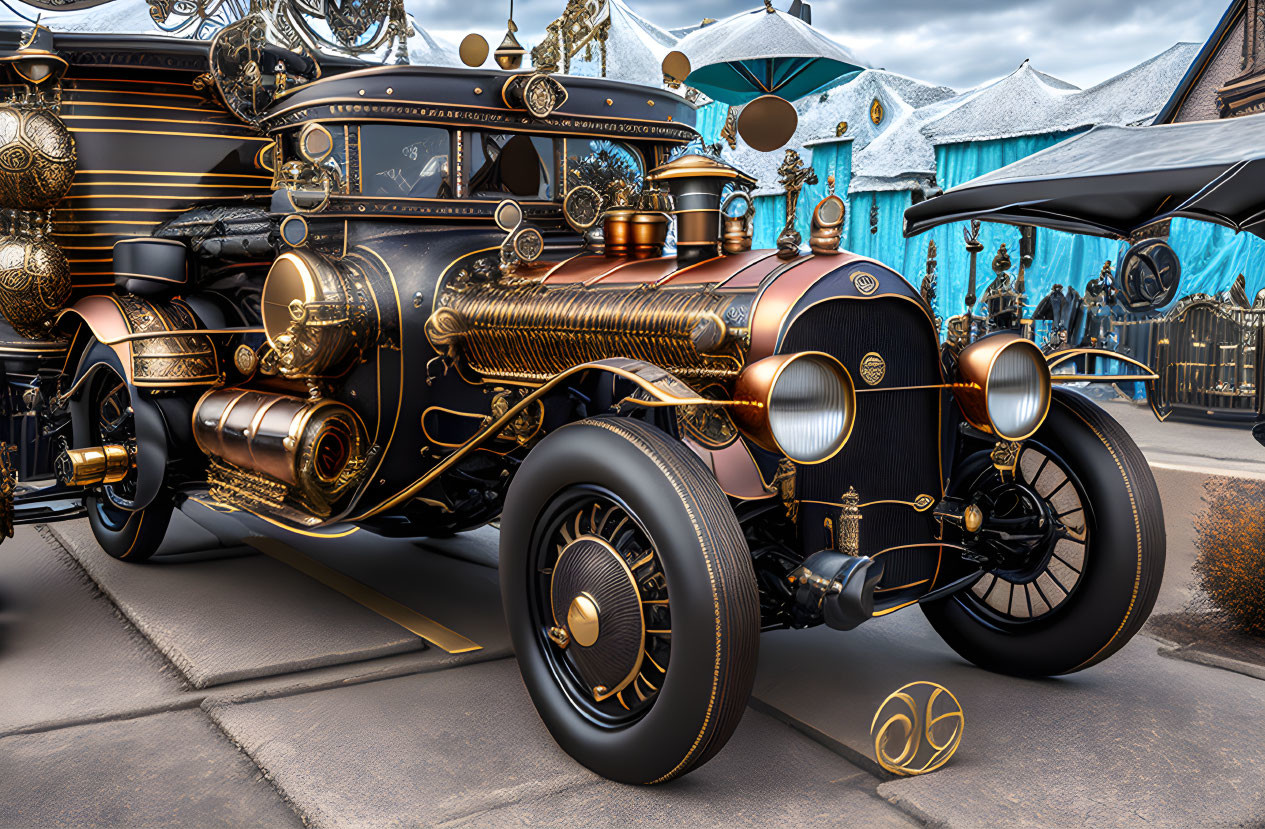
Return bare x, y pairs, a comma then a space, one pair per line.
183, 360
523, 428
34, 275
316, 315
8, 485
849, 540
93, 465
37, 158
784, 484
272, 451
532, 332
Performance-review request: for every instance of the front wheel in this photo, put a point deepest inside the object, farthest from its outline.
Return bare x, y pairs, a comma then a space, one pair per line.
629, 593
126, 534
1082, 548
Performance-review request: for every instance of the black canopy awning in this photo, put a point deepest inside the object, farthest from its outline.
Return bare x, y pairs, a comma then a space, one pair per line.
1112, 181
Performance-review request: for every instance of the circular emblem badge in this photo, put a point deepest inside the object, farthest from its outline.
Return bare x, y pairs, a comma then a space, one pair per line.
873, 368
915, 737
865, 283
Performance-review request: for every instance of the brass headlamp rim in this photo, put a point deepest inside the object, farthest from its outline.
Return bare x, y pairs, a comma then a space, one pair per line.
753, 391
975, 367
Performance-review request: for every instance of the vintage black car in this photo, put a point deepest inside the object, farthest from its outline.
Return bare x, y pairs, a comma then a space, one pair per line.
419, 300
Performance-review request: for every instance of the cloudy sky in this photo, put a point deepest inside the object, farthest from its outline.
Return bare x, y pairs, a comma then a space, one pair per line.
955, 42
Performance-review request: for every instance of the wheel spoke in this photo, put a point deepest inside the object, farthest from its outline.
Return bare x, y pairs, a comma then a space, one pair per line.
1055, 578
1047, 496
1065, 564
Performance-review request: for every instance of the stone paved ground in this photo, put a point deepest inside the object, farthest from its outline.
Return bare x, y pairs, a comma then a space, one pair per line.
218, 686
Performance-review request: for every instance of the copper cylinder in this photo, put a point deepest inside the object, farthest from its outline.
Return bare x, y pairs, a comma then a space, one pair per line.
649, 234
617, 232
93, 465
304, 443
737, 235
697, 233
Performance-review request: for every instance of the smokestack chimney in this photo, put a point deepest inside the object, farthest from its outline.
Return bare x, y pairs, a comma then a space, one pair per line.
695, 182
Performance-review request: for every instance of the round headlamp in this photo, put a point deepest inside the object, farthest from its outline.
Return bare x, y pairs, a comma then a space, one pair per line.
1007, 386
315, 315
799, 405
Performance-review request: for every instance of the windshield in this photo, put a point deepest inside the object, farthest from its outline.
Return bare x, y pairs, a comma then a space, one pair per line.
405, 160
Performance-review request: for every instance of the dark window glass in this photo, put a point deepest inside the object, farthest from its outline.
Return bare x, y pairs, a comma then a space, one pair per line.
509, 165
404, 160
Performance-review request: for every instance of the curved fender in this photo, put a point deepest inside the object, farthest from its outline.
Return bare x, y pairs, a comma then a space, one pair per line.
1141, 371
150, 423
106, 321
734, 471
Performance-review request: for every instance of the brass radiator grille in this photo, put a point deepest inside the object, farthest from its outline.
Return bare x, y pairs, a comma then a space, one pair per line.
534, 332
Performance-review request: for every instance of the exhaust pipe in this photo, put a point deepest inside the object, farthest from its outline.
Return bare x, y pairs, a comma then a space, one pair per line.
94, 465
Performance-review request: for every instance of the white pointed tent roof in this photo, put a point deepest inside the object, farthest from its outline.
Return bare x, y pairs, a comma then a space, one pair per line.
1137, 95
820, 114
635, 49
1026, 102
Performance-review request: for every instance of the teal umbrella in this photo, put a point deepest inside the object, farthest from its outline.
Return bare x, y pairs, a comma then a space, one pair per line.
764, 52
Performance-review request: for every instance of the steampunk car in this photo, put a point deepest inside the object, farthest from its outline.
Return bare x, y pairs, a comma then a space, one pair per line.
418, 300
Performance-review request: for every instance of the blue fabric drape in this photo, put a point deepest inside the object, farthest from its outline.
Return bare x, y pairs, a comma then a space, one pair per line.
710, 120
827, 160
1212, 256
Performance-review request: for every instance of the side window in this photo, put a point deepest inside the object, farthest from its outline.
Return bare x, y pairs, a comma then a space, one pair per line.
503, 164
403, 160
604, 165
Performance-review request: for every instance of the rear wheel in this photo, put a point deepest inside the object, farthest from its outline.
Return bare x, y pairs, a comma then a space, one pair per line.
1078, 537
630, 596
125, 534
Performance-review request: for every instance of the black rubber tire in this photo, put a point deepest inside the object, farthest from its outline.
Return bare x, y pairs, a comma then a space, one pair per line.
714, 600
132, 536
1125, 558
139, 535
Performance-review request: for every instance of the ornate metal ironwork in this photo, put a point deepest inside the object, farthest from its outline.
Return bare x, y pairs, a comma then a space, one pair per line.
582, 24
793, 174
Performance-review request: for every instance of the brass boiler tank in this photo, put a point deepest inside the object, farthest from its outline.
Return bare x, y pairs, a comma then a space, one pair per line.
271, 450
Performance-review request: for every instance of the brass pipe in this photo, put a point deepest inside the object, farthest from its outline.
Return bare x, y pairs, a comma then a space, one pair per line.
93, 465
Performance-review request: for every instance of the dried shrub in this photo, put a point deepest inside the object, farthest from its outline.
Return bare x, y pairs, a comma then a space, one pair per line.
1230, 545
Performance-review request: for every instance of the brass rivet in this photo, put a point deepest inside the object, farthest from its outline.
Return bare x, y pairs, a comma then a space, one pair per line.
362, 92
390, 90
669, 117
609, 102
598, 690
651, 103
478, 90
972, 518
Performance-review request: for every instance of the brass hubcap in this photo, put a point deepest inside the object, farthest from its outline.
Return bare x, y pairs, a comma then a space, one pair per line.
590, 575
582, 620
